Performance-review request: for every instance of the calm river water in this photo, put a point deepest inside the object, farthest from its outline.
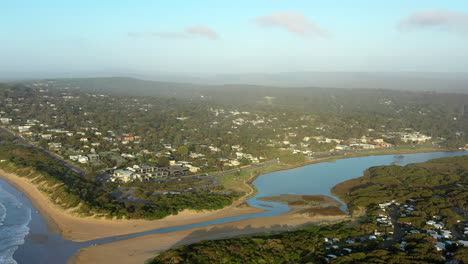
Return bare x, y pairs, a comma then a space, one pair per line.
24, 236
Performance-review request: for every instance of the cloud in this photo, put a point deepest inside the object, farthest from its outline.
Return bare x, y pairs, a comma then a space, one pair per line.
436, 18
188, 32
202, 31
173, 35
293, 22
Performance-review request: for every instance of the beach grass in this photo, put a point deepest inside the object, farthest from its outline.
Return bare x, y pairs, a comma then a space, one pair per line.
239, 181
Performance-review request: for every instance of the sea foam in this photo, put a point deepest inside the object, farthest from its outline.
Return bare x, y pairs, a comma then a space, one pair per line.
14, 220
3, 212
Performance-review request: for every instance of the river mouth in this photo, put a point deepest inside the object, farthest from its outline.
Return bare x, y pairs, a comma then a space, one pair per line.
43, 246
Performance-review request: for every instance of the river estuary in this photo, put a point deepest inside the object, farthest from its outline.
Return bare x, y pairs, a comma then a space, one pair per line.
25, 238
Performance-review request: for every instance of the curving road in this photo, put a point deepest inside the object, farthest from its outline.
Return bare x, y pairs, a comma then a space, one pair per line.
25, 142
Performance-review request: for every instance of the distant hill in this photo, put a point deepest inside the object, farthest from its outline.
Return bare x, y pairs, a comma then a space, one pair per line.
440, 82
307, 98
409, 81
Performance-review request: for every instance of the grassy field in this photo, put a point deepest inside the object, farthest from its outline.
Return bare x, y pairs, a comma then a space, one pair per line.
400, 150
389, 151
239, 181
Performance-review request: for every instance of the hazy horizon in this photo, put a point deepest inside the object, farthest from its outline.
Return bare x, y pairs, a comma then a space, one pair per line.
411, 81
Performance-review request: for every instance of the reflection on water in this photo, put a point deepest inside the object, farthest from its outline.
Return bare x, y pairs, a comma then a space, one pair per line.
399, 159
318, 179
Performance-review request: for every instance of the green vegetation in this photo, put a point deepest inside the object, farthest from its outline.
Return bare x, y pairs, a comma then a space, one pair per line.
192, 120
236, 181
301, 246
438, 185
437, 189
88, 197
211, 129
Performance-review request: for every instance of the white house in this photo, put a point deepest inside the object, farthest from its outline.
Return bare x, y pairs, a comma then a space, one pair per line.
46, 136
440, 246
234, 162
125, 175
5, 120
22, 129
83, 159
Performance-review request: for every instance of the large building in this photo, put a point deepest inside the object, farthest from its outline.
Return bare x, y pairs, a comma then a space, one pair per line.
147, 173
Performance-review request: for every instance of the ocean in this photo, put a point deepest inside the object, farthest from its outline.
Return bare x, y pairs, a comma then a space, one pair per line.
14, 220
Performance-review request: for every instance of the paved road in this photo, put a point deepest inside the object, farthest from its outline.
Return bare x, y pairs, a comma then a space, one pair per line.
272, 162
394, 213
255, 166
24, 142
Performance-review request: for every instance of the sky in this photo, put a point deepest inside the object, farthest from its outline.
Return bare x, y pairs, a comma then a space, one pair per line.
254, 36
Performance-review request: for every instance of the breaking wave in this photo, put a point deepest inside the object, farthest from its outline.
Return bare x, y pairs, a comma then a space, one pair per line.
14, 220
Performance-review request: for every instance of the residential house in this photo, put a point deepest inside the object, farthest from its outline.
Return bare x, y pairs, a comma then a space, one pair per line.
83, 159
22, 129
46, 136
93, 157
5, 120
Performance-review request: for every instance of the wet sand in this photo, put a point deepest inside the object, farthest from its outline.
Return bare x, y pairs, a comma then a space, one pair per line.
76, 228
140, 249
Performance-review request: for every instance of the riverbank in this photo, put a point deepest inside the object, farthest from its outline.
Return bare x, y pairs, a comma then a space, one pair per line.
95, 228
140, 249
250, 176
375, 152
77, 228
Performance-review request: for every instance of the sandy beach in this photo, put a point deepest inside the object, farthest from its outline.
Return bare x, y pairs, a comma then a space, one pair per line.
140, 249
78, 228
86, 228
305, 210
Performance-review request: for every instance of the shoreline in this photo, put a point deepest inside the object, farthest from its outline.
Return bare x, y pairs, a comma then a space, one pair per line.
365, 154
141, 249
80, 229
76, 228
335, 158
